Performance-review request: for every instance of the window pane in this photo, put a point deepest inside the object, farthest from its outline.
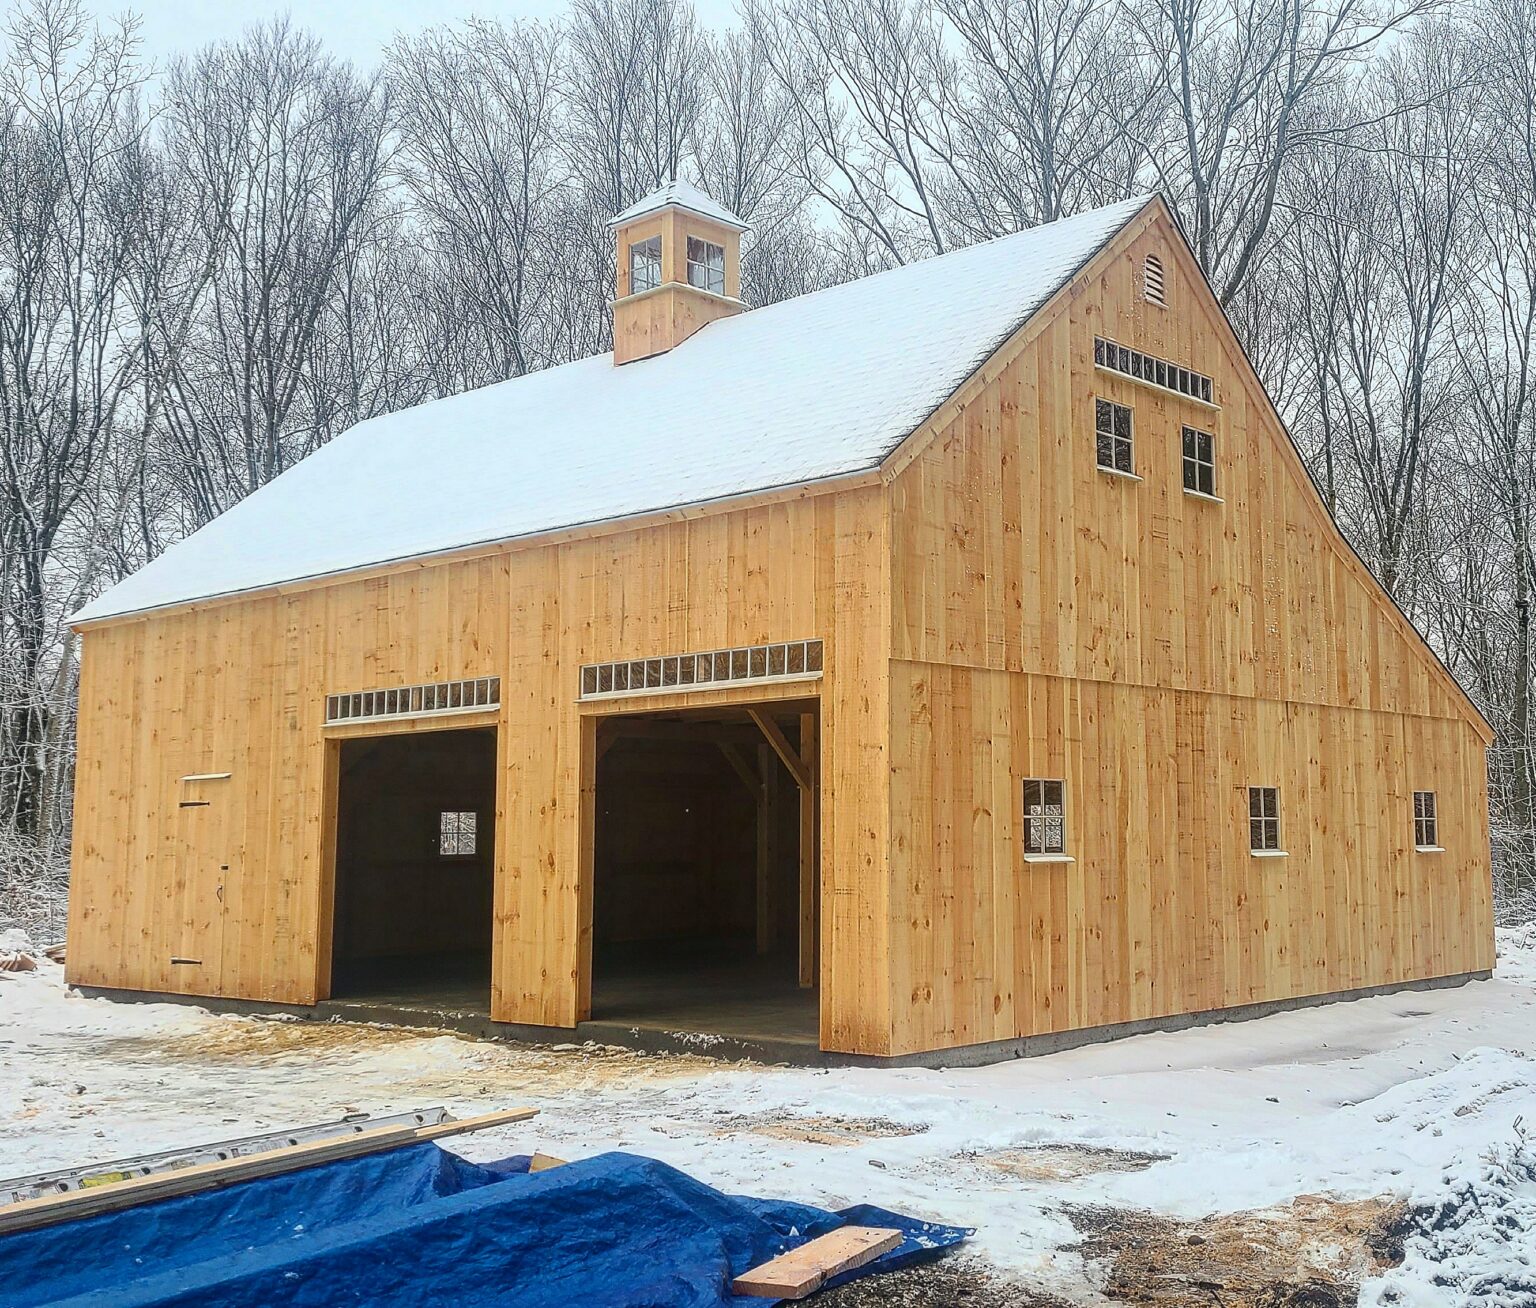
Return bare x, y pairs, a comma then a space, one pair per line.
1102, 420
1190, 475
1122, 421
1123, 456
1106, 451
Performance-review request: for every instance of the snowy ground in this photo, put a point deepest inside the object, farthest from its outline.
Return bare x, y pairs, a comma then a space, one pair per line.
1418, 1096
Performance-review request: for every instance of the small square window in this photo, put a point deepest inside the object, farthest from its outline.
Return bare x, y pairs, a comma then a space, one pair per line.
455, 834
1199, 461
1263, 818
706, 265
1112, 431
1045, 817
1426, 820
645, 265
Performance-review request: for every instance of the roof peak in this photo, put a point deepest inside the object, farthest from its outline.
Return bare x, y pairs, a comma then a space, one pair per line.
680, 195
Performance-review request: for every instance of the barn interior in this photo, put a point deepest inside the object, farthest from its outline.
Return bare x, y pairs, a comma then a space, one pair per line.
703, 909
415, 842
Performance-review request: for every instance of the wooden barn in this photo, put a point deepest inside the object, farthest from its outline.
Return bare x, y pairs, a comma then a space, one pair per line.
959, 657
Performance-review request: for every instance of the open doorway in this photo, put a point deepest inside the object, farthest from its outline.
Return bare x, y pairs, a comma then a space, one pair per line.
704, 871
415, 859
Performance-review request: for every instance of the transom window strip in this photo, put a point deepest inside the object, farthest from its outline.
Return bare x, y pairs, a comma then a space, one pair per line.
1045, 816
1152, 370
795, 658
413, 701
1263, 818
1426, 822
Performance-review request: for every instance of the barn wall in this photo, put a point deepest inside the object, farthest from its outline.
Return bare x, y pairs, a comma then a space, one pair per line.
240, 883
1049, 619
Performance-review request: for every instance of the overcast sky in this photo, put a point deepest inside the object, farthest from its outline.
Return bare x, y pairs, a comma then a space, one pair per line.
357, 30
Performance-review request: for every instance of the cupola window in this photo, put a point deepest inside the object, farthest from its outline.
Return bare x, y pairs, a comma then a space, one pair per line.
645, 265
706, 265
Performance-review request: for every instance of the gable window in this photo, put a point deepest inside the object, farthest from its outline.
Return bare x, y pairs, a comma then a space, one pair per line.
1152, 281
1264, 820
706, 265
1199, 462
1112, 436
1426, 821
455, 834
1045, 818
645, 265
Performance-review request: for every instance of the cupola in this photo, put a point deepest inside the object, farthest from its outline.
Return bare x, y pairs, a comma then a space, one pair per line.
679, 267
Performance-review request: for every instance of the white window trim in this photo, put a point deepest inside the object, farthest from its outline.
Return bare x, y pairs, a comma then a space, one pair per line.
1153, 386
1049, 858
1119, 472
1201, 495
1269, 853
1429, 849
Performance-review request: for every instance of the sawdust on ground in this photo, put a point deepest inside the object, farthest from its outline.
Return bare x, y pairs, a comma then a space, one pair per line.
818, 1129
508, 1065
1063, 1162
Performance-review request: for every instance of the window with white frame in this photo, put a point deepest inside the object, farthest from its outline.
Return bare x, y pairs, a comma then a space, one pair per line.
1426, 821
645, 265
1199, 462
1045, 817
455, 834
1263, 819
706, 265
1112, 433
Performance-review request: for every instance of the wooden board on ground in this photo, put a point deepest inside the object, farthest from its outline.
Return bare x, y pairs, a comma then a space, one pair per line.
543, 1162
805, 1270
30, 1214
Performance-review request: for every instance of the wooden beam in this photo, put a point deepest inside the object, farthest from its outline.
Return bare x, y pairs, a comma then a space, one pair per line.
739, 765
606, 741
54, 1208
803, 1271
809, 850
781, 747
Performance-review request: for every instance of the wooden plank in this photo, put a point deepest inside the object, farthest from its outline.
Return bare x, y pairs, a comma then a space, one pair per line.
804, 1270
541, 1162
781, 747
49, 1210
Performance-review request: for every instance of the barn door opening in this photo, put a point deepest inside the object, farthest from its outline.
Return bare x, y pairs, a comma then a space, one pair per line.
705, 883
415, 854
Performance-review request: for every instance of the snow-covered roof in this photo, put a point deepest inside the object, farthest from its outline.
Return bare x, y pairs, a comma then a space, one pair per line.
683, 196
820, 386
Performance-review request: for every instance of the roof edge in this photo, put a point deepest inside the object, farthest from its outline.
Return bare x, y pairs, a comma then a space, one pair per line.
688, 510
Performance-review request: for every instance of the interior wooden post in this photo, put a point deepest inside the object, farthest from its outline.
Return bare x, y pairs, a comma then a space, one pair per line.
766, 793
808, 848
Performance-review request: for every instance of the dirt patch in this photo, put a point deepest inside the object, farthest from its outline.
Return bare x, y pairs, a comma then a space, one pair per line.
1063, 1162
953, 1281
818, 1129
1312, 1253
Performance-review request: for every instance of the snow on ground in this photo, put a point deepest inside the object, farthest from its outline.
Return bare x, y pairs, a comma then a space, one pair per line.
1416, 1095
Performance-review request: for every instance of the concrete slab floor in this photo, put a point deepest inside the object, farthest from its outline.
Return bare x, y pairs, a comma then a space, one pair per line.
743, 999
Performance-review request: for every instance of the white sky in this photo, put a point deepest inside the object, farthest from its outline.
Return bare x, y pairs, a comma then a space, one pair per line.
353, 29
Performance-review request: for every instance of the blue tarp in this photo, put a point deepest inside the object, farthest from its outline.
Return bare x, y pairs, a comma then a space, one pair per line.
421, 1227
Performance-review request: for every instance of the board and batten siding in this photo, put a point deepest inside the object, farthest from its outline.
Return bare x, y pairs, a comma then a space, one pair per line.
1160, 653
240, 884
